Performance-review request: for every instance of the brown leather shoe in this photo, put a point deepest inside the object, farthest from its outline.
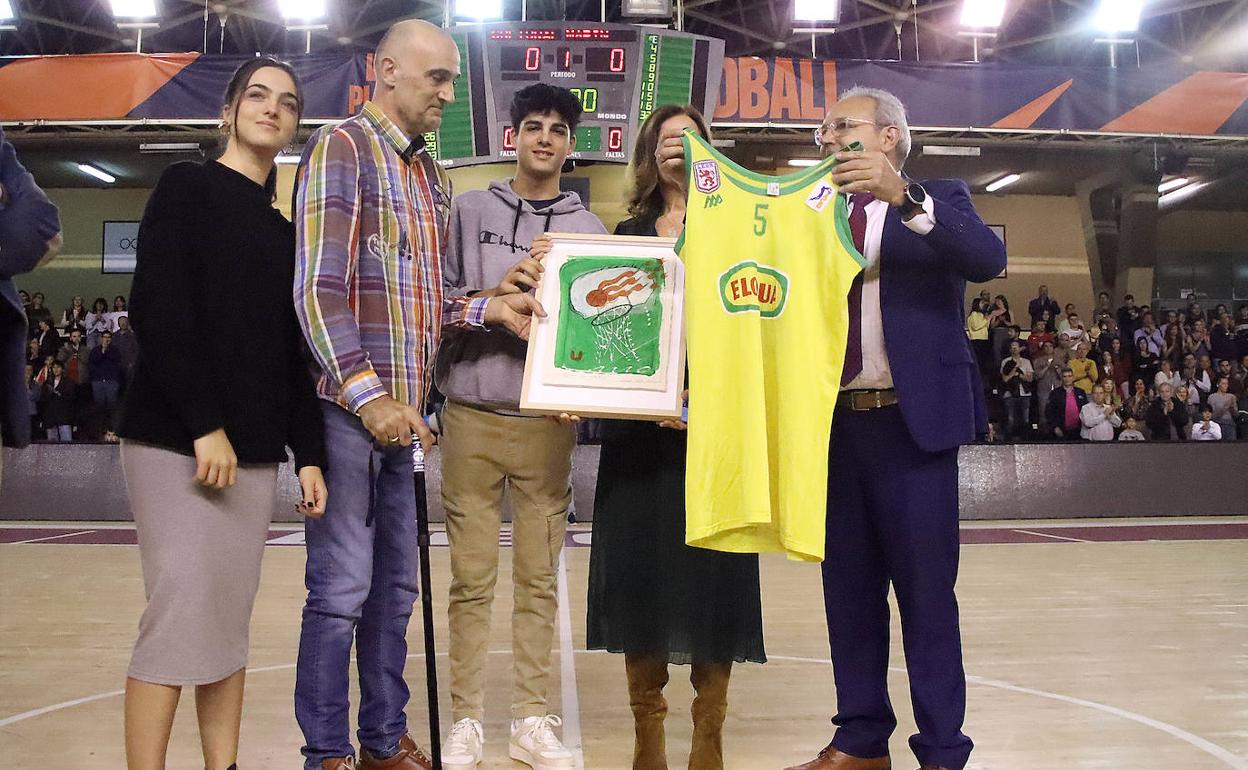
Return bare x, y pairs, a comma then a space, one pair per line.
831, 759
410, 757
340, 763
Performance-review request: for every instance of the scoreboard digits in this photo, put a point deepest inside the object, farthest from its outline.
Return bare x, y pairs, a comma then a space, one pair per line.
601, 64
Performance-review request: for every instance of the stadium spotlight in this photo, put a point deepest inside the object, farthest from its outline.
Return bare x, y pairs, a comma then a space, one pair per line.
818, 11
304, 16
982, 14
134, 9
306, 11
1004, 181
646, 9
1115, 17
479, 10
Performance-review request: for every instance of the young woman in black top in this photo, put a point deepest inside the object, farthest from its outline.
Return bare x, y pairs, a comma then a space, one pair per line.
219, 391
651, 596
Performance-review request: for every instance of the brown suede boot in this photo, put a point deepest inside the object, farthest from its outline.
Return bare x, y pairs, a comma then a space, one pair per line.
710, 706
646, 678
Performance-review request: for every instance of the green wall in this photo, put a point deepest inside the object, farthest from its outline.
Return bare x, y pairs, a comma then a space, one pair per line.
77, 269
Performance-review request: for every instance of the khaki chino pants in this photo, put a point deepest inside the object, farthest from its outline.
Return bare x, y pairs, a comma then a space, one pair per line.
483, 454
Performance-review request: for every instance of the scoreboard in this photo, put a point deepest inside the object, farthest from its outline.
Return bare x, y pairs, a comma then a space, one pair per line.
619, 72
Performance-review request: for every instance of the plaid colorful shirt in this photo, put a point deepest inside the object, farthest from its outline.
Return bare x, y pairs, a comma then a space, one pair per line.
371, 210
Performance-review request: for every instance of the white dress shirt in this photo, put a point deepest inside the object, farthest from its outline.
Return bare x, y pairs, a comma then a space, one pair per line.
876, 373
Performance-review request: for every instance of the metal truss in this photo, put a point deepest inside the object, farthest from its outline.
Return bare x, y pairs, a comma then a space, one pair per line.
1195, 32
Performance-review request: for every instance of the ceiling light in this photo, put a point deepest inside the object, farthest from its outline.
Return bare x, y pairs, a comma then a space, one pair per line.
1114, 16
982, 14
90, 170
479, 10
1008, 179
153, 148
803, 162
302, 10
1181, 194
1173, 184
945, 149
6, 11
828, 11
134, 9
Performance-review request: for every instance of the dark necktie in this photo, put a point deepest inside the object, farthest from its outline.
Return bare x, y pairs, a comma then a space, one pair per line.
853, 344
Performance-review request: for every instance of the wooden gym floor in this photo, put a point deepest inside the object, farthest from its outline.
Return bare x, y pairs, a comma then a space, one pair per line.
1107, 645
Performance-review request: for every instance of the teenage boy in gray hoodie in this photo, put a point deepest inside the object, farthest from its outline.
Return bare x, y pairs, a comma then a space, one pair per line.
488, 446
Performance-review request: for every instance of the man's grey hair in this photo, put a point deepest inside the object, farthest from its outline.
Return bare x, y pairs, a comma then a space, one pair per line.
889, 111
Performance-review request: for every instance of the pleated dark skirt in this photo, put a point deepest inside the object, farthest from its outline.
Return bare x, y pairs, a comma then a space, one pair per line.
648, 591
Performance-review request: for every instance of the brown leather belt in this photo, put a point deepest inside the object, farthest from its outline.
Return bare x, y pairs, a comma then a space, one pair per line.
866, 400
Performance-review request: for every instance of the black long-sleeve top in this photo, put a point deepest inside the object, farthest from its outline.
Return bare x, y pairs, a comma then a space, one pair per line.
219, 343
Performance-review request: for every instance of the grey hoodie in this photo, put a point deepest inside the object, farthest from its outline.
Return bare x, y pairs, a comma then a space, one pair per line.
491, 231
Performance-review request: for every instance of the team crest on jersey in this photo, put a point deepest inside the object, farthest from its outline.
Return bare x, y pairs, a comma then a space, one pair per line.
706, 176
821, 196
749, 286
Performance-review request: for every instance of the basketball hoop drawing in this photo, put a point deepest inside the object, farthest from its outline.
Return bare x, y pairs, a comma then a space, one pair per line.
615, 321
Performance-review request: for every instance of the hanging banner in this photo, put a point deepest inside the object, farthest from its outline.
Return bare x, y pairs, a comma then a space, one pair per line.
1149, 100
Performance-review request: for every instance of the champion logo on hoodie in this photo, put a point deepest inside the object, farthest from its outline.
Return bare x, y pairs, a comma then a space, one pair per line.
487, 238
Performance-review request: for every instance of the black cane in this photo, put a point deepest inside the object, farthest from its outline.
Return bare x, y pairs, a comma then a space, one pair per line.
426, 598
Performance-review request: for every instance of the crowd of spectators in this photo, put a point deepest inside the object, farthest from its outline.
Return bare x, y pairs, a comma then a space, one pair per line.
77, 367
1131, 374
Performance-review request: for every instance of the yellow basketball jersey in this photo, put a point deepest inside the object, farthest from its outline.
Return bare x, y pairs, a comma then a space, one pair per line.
768, 264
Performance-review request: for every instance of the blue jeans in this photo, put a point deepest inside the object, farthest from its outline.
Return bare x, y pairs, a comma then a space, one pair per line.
61, 433
361, 578
1017, 414
105, 394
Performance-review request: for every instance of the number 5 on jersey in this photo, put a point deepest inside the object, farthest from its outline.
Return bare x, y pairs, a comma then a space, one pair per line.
760, 220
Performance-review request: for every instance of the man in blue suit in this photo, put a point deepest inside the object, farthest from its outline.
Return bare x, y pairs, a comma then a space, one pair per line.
30, 235
910, 396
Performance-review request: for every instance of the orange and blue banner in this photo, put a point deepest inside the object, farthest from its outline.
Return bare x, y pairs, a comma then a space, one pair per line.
1149, 100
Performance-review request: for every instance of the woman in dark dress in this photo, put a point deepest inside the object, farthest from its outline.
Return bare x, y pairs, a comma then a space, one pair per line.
206, 422
651, 596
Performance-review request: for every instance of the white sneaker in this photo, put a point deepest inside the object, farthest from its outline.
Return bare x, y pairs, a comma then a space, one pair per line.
534, 743
465, 746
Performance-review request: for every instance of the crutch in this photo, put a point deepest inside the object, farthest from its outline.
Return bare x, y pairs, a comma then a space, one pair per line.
426, 598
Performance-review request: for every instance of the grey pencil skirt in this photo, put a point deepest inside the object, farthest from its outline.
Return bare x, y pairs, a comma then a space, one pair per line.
201, 552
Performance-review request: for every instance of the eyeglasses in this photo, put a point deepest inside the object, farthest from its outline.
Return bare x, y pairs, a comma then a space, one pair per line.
840, 126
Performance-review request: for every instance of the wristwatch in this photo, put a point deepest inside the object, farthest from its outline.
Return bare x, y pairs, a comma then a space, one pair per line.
913, 204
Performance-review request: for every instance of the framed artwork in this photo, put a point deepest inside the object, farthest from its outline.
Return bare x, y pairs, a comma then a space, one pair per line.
612, 344
121, 241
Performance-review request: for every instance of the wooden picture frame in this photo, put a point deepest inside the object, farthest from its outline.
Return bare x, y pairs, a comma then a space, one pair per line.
613, 343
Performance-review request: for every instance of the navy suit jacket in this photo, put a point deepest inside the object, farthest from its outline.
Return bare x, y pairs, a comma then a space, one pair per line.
27, 223
922, 292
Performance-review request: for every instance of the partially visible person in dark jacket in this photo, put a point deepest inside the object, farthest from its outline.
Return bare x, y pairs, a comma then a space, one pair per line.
30, 235
1167, 416
106, 376
57, 399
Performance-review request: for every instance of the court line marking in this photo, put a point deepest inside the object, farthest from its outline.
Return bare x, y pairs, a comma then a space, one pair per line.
1209, 747
51, 537
567, 670
1055, 537
1230, 759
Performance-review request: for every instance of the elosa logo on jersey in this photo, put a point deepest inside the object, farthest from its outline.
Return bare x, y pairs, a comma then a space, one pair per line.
750, 286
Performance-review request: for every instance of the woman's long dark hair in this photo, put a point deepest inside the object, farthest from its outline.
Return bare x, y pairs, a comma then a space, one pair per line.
234, 92
645, 199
